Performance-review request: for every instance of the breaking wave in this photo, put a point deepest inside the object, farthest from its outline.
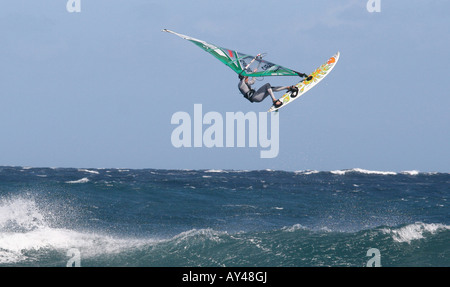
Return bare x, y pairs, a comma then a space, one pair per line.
83, 180
27, 236
416, 231
117, 217
363, 171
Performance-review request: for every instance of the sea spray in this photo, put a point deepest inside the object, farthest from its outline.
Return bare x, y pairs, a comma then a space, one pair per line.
151, 217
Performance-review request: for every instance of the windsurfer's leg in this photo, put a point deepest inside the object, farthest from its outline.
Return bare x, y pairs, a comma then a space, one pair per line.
262, 93
277, 103
277, 89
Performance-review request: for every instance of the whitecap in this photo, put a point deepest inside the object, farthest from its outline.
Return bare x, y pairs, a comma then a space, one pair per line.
19, 213
415, 231
363, 171
306, 172
339, 172
294, 227
410, 172
25, 229
89, 171
16, 245
215, 171
202, 234
83, 180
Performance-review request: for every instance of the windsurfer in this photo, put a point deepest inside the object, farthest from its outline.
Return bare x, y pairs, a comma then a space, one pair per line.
260, 94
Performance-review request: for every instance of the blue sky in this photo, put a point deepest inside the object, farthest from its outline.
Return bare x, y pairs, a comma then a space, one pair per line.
98, 88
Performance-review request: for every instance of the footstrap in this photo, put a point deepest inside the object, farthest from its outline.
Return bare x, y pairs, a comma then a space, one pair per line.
294, 91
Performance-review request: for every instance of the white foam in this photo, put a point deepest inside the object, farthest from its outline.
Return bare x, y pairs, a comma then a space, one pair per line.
14, 246
215, 171
202, 233
415, 231
20, 213
294, 227
410, 172
364, 171
24, 229
83, 180
339, 172
89, 171
306, 172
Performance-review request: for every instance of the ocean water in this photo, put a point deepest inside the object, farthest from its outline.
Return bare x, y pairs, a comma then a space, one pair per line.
151, 217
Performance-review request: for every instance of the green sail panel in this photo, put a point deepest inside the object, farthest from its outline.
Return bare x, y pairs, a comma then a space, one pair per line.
238, 61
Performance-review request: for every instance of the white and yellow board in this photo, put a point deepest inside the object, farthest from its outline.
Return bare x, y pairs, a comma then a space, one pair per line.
318, 75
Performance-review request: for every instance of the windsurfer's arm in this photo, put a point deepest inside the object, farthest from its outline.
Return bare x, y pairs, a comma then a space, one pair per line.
252, 80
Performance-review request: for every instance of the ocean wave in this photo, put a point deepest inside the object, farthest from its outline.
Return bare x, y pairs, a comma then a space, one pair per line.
414, 231
19, 213
301, 172
294, 227
215, 171
410, 172
83, 180
26, 232
302, 218
363, 171
19, 247
295, 245
306, 172
88, 171
199, 234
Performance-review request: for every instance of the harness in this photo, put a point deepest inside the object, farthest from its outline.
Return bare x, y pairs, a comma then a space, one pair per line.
249, 95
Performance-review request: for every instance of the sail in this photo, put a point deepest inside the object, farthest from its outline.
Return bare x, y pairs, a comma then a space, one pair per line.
241, 63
